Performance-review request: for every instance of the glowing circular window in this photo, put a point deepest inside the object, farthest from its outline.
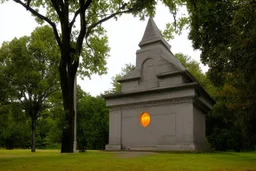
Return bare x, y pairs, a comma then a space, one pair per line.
144, 119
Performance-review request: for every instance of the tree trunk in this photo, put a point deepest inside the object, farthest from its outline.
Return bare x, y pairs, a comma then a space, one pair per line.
33, 140
67, 69
67, 77
68, 130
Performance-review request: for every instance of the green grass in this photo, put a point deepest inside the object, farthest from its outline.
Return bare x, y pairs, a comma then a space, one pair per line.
52, 160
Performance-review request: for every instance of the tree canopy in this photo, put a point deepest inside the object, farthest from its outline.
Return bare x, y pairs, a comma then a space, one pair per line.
225, 32
92, 116
29, 66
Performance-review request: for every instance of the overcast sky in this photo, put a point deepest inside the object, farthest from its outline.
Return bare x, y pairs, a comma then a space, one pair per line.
124, 37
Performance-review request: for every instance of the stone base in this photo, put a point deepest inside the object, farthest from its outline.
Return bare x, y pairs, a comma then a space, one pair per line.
174, 147
111, 147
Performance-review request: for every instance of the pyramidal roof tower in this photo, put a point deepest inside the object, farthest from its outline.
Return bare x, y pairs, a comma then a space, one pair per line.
152, 34
154, 49
161, 106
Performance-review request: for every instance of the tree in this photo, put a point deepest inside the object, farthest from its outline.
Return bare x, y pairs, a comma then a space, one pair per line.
70, 40
29, 65
14, 127
223, 131
50, 122
225, 32
55, 119
92, 125
4, 87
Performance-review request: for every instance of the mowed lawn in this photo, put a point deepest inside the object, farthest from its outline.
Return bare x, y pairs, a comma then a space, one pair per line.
52, 160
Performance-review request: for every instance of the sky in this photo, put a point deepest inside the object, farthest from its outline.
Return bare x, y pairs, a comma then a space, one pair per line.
124, 36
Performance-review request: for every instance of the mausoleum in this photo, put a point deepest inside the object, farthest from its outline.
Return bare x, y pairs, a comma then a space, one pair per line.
161, 106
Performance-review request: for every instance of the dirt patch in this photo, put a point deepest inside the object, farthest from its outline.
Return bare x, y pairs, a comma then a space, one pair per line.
133, 154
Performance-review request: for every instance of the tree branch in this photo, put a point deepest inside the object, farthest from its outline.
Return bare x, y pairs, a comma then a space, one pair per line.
75, 66
79, 43
42, 18
105, 19
74, 18
56, 6
82, 28
48, 91
85, 6
47, 94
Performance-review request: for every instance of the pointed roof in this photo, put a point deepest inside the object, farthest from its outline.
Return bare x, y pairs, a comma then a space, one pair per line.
152, 35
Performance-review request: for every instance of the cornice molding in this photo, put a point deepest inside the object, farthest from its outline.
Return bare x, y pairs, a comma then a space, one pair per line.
153, 90
187, 99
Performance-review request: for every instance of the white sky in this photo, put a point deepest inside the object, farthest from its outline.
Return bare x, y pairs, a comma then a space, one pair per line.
124, 37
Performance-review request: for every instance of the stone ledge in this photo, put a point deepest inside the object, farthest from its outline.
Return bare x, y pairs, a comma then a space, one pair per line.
177, 147
111, 147
151, 90
163, 148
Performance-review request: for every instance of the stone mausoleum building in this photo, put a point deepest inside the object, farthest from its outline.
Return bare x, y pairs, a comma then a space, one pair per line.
161, 106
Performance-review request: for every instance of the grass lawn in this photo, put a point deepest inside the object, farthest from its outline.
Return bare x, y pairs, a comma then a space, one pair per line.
52, 160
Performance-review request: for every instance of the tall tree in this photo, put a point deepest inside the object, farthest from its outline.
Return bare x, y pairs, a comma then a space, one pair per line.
225, 32
29, 65
70, 40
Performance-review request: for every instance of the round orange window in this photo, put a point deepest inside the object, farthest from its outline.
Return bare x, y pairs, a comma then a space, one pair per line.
144, 119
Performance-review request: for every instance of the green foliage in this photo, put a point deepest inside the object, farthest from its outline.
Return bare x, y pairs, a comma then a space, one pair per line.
194, 68
232, 113
50, 123
94, 55
14, 128
222, 133
175, 28
92, 122
29, 65
225, 32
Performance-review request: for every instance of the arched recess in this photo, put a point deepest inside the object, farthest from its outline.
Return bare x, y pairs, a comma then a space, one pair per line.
148, 70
